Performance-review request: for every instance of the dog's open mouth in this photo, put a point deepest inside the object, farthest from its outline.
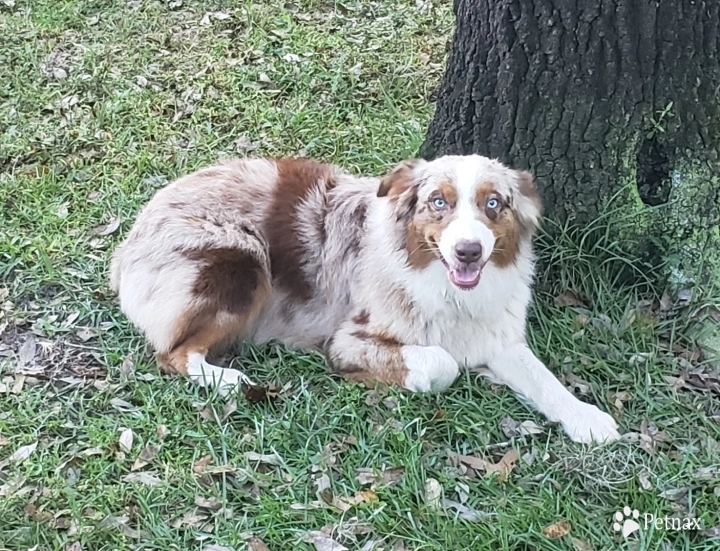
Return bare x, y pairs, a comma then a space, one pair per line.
464, 276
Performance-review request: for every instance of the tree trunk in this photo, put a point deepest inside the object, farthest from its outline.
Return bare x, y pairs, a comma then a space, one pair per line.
611, 103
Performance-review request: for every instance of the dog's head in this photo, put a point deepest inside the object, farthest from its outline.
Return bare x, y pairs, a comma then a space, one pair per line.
463, 211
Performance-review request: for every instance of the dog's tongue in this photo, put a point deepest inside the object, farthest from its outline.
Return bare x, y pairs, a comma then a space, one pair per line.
465, 276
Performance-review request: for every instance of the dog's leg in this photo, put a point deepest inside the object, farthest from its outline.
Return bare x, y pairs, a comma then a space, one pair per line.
374, 356
523, 372
230, 292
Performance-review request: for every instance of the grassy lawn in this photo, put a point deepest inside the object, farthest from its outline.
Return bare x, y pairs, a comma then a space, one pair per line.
101, 104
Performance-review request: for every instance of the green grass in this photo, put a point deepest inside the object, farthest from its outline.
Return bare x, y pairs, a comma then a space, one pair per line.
100, 106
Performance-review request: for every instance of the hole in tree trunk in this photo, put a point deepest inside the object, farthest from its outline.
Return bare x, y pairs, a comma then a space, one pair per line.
653, 173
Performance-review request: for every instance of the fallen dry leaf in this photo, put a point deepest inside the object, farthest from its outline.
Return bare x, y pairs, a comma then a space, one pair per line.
37, 516
503, 467
14, 486
385, 478
74, 546
126, 440
323, 542
557, 530
4, 441
256, 544
464, 511
127, 367
109, 228
257, 393
568, 298
142, 477
644, 480
162, 431
270, 459
191, 519
20, 455
433, 493
513, 428
26, 354
211, 503
200, 466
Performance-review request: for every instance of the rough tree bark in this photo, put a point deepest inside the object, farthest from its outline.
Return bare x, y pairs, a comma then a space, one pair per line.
601, 99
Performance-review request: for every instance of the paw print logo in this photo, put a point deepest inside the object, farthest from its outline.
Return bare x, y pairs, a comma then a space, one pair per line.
630, 525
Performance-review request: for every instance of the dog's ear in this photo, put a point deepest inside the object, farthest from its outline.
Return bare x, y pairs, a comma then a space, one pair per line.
528, 203
399, 179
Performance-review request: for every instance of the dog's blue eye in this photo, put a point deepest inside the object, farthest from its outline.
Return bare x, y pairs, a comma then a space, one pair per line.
439, 203
493, 204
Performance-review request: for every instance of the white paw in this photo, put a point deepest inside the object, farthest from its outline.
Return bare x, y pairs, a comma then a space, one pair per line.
587, 424
225, 380
430, 368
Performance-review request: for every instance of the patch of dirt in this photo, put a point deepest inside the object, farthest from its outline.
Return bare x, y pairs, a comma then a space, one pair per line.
43, 358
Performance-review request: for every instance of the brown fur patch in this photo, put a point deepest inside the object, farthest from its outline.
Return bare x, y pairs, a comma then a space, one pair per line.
296, 177
381, 337
362, 318
504, 224
423, 232
398, 180
230, 291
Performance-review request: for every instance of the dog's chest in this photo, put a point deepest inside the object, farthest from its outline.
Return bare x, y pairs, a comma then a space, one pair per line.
470, 325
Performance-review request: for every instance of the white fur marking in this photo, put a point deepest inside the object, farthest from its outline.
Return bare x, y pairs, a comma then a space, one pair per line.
430, 368
205, 374
518, 368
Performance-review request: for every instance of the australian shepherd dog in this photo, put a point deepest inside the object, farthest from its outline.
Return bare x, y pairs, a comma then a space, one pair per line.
402, 280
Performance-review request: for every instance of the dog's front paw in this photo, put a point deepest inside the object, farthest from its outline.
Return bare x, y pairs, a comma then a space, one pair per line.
589, 425
430, 368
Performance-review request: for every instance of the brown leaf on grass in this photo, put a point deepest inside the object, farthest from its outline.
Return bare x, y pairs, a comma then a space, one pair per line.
4, 441
346, 503
557, 530
200, 466
503, 468
74, 546
258, 393
581, 545
189, 519
256, 544
211, 503
568, 298
385, 478
38, 516
477, 463
147, 455
618, 400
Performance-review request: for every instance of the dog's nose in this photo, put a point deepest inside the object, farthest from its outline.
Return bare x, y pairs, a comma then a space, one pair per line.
469, 252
